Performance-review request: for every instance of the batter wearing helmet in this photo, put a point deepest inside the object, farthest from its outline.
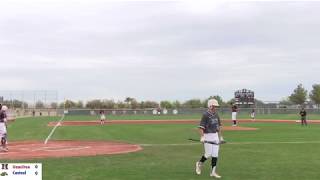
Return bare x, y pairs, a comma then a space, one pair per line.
209, 128
3, 128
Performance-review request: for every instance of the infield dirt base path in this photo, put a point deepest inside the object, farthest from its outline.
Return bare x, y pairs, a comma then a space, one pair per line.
98, 123
37, 149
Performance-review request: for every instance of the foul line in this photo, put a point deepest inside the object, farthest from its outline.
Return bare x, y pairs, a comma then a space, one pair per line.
54, 128
237, 143
185, 144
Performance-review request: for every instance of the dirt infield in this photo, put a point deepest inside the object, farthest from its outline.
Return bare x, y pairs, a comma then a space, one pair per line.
97, 123
37, 149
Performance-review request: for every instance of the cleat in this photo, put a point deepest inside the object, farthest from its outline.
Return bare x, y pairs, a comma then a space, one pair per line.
215, 175
198, 168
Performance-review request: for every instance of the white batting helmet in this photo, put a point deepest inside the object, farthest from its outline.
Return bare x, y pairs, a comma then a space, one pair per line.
4, 108
213, 102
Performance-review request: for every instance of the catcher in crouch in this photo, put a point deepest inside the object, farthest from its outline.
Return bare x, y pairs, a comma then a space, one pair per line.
209, 128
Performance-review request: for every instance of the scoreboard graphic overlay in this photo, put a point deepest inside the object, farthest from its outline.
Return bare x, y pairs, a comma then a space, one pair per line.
20, 171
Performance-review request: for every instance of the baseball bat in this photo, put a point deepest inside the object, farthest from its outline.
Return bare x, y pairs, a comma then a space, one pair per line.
209, 142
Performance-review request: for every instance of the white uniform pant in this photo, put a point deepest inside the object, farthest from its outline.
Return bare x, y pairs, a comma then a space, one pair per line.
234, 116
211, 150
3, 129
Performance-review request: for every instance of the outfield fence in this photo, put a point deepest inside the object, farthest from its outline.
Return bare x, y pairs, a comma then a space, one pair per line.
181, 111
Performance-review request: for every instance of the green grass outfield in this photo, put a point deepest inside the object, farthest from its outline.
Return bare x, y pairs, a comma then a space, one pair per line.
277, 151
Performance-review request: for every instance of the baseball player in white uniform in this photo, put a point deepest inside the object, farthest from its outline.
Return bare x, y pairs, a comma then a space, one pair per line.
253, 115
102, 117
3, 128
209, 128
234, 110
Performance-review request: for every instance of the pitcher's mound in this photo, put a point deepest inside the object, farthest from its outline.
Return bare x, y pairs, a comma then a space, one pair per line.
37, 149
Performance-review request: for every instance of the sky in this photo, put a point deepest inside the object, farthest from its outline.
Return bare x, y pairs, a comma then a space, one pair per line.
159, 50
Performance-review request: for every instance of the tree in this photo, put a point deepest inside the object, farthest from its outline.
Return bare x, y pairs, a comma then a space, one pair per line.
231, 101
129, 100
151, 104
193, 103
79, 104
54, 105
134, 104
39, 104
61, 105
176, 104
299, 95
25, 105
286, 102
94, 104
166, 104
15, 103
142, 104
120, 105
108, 104
315, 94
69, 104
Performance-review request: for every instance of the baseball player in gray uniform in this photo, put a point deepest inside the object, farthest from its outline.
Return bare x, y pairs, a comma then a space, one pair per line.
209, 128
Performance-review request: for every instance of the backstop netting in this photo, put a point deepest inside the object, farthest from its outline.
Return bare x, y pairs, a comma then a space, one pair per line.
30, 103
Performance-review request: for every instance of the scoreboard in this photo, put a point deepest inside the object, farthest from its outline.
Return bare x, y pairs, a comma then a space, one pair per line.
244, 96
20, 171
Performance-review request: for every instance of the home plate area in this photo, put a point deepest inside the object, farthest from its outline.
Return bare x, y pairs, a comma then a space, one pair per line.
65, 148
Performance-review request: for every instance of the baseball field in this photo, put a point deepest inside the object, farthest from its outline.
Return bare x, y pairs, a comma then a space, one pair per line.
275, 150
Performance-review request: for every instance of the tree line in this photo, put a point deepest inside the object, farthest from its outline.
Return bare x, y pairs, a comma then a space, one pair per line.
299, 96
128, 103
132, 103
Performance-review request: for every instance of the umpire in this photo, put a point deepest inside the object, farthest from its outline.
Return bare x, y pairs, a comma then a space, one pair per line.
209, 131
